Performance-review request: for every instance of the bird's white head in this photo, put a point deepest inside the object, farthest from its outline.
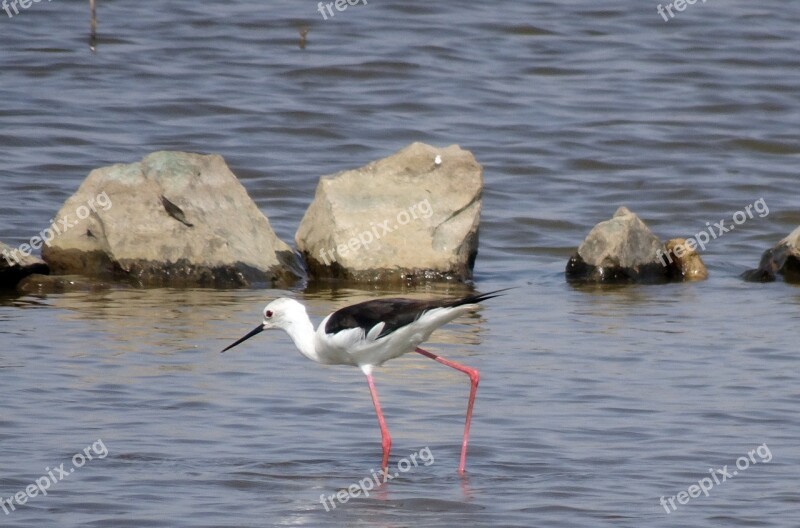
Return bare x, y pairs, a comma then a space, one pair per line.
281, 313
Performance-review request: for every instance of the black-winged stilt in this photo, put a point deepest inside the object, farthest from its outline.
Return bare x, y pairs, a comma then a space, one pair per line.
368, 334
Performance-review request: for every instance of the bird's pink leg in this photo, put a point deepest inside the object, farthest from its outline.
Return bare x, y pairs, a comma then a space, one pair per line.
474, 377
386, 440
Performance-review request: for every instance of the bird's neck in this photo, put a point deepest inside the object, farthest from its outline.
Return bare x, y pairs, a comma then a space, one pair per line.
301, 331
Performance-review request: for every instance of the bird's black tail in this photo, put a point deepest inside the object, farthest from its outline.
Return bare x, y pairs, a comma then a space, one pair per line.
476, 298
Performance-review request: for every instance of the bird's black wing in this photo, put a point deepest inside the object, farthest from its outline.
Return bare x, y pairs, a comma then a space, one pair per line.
394, 313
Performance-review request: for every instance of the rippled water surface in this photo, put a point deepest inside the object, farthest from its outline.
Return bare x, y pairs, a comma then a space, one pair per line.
593, 403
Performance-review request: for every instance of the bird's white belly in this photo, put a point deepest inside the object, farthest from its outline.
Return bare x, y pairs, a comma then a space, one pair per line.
364, 349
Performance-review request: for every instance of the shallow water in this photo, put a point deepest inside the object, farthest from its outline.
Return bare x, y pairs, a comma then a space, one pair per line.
593, 403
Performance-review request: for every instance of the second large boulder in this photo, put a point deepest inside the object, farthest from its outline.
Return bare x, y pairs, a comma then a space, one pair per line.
409, 217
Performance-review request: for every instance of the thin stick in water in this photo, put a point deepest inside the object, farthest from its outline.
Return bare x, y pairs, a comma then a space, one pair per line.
93, 32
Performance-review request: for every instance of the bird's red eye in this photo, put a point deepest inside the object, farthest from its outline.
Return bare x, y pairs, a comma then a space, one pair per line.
268, 313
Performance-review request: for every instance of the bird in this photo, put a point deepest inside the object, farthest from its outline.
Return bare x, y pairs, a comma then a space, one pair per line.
370, 333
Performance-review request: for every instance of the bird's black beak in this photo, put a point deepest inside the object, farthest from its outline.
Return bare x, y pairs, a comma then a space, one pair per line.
254, 331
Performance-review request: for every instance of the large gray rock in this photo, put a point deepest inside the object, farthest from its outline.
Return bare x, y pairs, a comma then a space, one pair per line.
783, 259
623, 249
15, 265
173, 219
412, 216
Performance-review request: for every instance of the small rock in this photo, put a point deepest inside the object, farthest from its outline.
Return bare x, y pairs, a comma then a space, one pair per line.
683, 261
404, 218
783, 259
623, 249
15, 266
173, 219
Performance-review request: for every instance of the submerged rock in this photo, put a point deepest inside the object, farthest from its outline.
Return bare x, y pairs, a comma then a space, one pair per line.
623, 249
683, 261
783, 259
15, 265
45, 284
412, 216
173, 219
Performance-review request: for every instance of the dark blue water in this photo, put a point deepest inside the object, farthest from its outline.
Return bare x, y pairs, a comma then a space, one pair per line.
593, 404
